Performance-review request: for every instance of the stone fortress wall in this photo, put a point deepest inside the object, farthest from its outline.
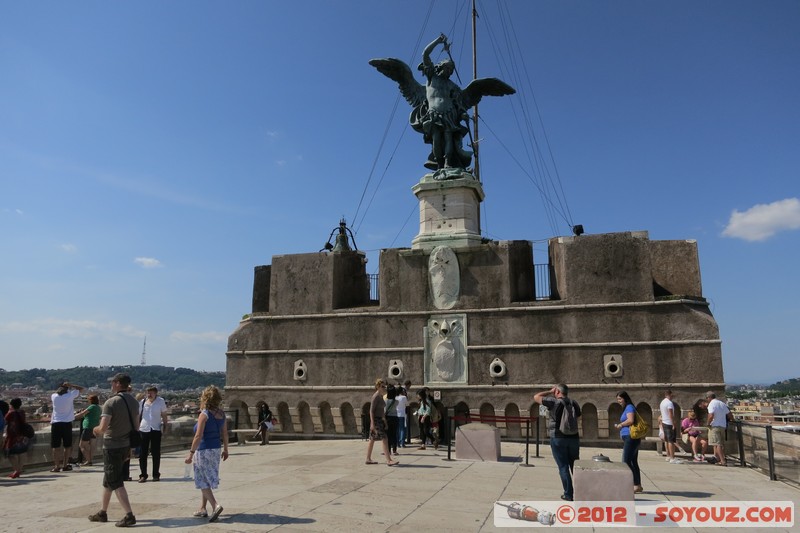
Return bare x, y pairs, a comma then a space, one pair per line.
626, 313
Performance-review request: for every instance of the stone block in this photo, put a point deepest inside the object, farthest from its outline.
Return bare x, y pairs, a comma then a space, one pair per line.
602, 482
606, 268
676, 268
478, 442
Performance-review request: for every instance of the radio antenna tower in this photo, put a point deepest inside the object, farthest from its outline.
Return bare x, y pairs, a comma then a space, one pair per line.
144, 351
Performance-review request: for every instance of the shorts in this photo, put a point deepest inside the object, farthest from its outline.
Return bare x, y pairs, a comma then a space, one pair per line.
87, 434
19, 447
61, 432
379, 433
113, 461
716, 436
669, 433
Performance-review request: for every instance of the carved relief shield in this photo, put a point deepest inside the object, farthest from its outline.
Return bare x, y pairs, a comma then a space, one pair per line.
444, 276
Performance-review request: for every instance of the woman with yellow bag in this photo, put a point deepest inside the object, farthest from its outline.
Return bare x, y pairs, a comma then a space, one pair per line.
630, 447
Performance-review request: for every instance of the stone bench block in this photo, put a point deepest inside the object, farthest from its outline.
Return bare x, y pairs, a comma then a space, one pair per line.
477, 441
595, 482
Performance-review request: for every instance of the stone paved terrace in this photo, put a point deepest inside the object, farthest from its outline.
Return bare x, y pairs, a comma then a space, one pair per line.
324, 485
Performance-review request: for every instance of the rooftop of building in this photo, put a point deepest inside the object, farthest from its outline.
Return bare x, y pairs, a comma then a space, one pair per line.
325, 485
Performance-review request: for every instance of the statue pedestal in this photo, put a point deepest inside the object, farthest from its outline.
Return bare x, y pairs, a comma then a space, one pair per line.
449, 212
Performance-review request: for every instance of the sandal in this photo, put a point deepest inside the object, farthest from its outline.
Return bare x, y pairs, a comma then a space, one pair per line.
371, 462
215, 514
67, 468
55, 469
200, 514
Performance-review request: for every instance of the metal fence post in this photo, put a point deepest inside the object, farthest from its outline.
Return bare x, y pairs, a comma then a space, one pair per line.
449, 441
771, 454
527, 440
740, 439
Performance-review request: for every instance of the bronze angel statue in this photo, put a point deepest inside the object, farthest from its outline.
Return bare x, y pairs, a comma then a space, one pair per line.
440, 106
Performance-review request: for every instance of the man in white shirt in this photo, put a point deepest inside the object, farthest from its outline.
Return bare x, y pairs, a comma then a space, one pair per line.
152, 426
61, 425
718, 422
668, 423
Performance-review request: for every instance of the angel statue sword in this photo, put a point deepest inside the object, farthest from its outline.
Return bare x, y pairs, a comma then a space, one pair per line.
440, 106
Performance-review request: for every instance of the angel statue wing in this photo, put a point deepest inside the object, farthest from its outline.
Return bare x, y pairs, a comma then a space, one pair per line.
477, 89
411, 89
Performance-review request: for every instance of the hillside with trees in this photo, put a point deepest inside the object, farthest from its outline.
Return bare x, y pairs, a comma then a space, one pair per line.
787, 387
167, 378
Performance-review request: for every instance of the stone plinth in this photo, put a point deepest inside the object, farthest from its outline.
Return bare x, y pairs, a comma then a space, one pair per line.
602, 482
449, 212
478, 442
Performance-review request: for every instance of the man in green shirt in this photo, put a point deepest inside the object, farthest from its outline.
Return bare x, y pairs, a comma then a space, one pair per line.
116, 424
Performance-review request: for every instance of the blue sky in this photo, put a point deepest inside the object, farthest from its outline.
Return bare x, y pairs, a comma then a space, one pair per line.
153, 153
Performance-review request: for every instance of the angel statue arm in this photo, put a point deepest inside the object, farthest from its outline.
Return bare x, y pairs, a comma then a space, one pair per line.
426, 54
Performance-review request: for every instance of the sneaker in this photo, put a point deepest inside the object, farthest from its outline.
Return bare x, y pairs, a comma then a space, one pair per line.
668, 459
698, 460
127, 520
215, 514
700, 456
676, 462
99, 516
67, 468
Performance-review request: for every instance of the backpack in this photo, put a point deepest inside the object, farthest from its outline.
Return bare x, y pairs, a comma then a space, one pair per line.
26, 430
436, 416
568, 425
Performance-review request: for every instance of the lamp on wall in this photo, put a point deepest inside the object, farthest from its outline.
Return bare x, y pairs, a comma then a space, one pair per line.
577, 229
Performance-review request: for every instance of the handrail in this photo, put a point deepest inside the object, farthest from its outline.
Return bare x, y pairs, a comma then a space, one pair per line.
781, 465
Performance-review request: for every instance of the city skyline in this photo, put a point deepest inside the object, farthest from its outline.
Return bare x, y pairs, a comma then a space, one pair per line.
153, 154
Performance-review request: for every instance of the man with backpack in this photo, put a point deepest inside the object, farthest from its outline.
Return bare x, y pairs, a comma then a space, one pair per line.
562, 427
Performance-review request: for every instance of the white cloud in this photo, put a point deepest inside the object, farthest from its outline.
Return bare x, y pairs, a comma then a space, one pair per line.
147, 262
69, 248
78, 329
206, 336
762, 221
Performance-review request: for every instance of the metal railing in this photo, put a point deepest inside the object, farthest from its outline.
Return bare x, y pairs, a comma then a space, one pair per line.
775, 452
374, 287
542, 276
